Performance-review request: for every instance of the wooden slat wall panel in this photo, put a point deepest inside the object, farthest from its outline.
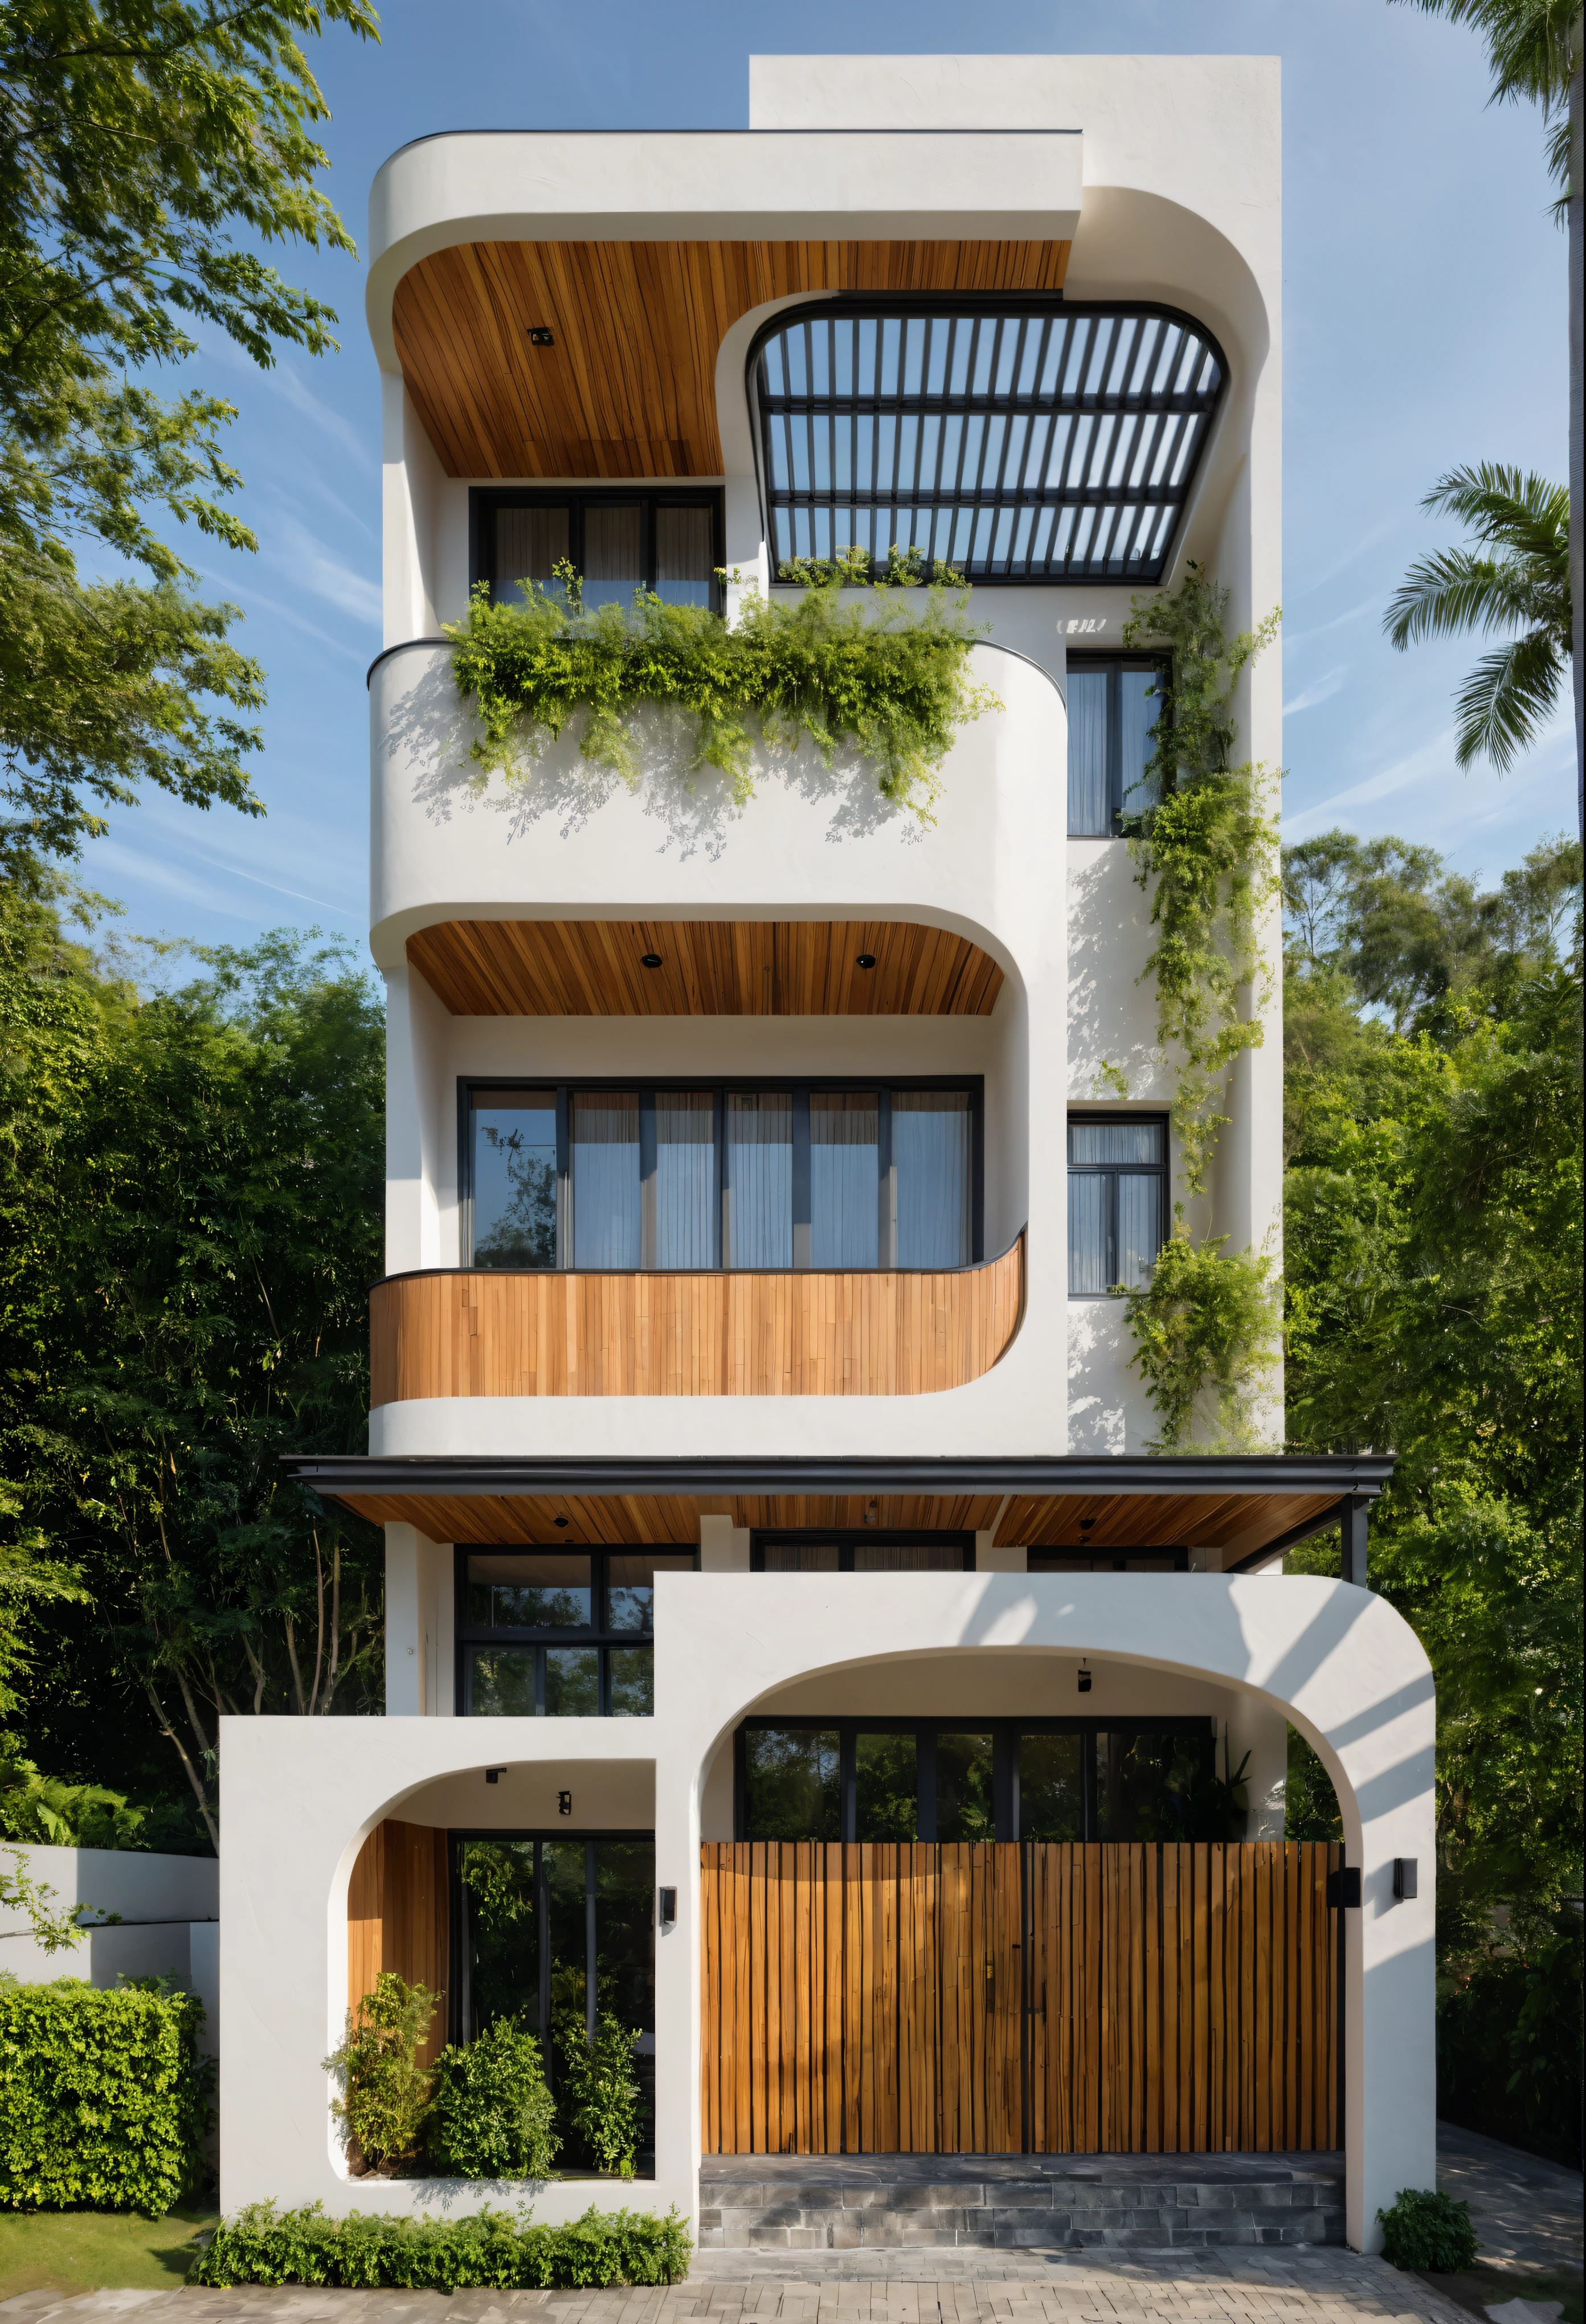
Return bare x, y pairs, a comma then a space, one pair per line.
709, 968
629, 387
870, 1999
467, 1333
399, 1915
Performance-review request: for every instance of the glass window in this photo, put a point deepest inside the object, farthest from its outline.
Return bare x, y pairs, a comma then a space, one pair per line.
845, 1162
631, 1584
685, 1178
632, 1681
965, 1809
572, 1682
1090, 790
514, 1178
1145, 1784
613, 553
496, 1877
1112, 707
684, 555
1051, 1787
886, 1787
1117, 1203
932, 1131
1140, 705
605, 1179
907, 1557
500, 1681
801, 1557
529, 544
793, 1777
546, 1591
759, 1177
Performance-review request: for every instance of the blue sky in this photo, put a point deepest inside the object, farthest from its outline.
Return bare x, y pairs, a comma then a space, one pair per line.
1425, 315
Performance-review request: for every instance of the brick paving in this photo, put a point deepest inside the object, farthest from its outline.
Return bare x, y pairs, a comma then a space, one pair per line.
1325, 2286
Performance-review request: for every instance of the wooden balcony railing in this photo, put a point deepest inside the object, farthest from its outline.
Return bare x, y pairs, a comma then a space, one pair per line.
466, 1332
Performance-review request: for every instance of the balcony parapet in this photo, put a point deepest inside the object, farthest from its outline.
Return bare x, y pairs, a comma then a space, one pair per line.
465, 1331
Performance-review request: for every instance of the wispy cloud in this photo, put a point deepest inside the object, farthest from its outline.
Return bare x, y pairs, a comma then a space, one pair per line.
317, 569
259, 600
1351, 555
1325, 629
1418, 766
284, 381
1322, 690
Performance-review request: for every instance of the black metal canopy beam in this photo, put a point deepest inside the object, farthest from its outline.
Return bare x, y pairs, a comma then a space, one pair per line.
1348, 1477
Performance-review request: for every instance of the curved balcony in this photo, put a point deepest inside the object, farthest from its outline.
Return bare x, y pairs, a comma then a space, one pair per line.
892, 1332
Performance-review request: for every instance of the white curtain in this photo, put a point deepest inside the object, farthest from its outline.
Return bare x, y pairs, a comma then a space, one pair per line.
1138, 709
1090, 805
759, 1177
685, 1178
1087, 1232
529, 541
931, 1158
606, 1179
845, 1155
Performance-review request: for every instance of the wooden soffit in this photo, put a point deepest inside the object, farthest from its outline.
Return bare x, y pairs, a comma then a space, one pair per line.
628, 389
1122, 1523
708, 968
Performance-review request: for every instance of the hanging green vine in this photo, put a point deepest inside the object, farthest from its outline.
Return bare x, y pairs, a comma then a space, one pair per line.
887, 677
1207, 850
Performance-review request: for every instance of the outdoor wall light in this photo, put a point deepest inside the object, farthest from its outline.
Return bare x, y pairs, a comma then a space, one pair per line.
649, 959
493, 1774
1404, 1881
666, 1907
1084, 1682
539, 336
564, 1804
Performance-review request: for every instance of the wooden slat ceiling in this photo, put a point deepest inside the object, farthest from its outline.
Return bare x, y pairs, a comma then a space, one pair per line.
709, 968
1122, 1521
629, 387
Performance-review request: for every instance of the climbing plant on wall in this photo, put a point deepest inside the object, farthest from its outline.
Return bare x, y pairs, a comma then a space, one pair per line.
1205, 843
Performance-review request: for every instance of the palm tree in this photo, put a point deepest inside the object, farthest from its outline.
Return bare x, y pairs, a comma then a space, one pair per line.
1536, 48
1456, 591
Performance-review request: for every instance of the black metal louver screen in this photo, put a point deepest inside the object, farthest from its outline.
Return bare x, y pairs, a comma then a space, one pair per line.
1017, 446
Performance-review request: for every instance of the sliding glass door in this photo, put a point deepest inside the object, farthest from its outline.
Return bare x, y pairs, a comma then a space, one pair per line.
842, 1175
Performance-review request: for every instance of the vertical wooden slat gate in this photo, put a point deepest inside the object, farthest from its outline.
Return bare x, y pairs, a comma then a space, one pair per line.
918, 1998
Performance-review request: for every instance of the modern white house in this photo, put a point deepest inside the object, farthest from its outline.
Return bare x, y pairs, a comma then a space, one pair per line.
783, 1600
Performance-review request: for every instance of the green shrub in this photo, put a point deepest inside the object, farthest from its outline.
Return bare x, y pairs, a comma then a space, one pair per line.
498, 2251
600, 2096
385, 2091
491, 2115
103, 2098
1429, 2231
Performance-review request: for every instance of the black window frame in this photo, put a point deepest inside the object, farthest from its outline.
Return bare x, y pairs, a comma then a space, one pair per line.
799, 1086
846, 1539
1114, 665
485, 500
1005, 1733
1043, 308
601, 1635
1162, 1171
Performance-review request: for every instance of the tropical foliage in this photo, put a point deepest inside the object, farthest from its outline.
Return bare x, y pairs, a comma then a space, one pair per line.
881, 674
494, 2250
1517, 578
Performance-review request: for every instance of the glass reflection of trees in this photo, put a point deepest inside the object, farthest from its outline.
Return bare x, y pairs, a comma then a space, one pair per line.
552, 1931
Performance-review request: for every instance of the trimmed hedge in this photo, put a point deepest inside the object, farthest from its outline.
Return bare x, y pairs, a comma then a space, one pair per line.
496, 2251
103, 2098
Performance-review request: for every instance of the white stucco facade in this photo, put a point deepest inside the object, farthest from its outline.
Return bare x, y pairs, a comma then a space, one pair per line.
1164, 175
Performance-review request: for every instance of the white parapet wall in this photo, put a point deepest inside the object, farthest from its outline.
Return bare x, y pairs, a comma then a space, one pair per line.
169, 1918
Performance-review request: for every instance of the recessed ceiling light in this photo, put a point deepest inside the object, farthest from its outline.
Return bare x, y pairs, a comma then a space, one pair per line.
865, 960
539, 336
559, 1521
649, 959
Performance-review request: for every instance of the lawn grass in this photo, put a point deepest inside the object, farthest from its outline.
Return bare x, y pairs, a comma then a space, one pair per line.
93, 2251
1477, 2289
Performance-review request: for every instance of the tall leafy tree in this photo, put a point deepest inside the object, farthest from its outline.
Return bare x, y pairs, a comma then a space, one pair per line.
1536, 51
189, 1192
147, 148
1517, 579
